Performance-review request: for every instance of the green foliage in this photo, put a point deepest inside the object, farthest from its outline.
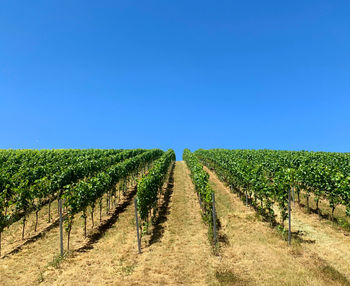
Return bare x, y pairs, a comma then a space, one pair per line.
268, 175
150, 185
28, 177
200, 179
86, 192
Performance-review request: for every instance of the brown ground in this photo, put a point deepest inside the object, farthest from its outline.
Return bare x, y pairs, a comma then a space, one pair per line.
27, 265
177, 250
254, 254
331, 244
179, 253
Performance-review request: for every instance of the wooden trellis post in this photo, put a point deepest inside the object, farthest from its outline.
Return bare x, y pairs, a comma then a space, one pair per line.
214, 218
289, 218
61, 226
137, 227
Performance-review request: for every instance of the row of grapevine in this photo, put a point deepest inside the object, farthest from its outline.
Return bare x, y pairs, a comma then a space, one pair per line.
266, 176
18, 198
32, 164
86, 193
24, 196
35, 165
200, 179
150, 185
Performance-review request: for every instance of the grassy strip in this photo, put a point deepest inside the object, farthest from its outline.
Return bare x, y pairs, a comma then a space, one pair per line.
200, 179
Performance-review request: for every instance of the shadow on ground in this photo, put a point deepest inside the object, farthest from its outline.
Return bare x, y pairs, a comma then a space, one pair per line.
33, 238
107, 224
161, 217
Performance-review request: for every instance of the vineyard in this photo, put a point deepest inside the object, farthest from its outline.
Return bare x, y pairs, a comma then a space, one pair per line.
266, 177
32, 179
120, 216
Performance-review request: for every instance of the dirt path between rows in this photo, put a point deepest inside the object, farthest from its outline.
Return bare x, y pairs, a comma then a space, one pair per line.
255, 254
183, 256
177, 250
29, 264
176, 253
330, 244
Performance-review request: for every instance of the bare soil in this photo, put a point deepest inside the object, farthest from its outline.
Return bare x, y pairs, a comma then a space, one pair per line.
40, 251
255, 254
331, 244
177, 251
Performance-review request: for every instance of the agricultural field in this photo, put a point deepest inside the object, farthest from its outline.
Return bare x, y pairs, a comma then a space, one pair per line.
139, 217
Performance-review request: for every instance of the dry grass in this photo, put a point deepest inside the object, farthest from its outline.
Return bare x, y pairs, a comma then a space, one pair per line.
177, 250
319, 235
254, 254
12, 236
28, 265
181, 254
341, 220
331, 244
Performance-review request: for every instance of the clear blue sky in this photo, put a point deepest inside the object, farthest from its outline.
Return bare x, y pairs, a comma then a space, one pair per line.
196, 74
